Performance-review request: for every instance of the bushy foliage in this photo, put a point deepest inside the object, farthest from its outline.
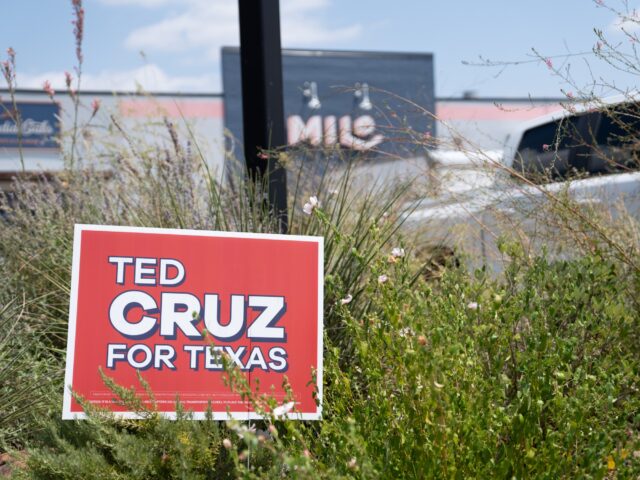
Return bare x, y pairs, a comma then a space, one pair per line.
534, 374
104, 447
167, 188
24, 373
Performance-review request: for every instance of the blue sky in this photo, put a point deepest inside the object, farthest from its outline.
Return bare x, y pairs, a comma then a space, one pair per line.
174, 44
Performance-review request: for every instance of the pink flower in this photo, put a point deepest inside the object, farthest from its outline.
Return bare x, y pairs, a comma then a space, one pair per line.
226, 443
598, 46
600, 2
545, 147
78, 26
548, 62
67, 79
263, 156
8, 67
569, 94
383, 279
397, 252
46, 86
95, 106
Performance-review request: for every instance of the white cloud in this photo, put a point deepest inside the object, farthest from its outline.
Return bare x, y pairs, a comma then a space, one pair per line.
296, 34
150, 77
628, 22
199, 25
209, 24
205, 25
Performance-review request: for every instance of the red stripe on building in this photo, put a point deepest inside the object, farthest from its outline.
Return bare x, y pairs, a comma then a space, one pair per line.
138, 108
214, 108
504, 112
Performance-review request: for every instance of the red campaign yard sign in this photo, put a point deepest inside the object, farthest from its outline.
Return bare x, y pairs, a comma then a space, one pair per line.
141, 299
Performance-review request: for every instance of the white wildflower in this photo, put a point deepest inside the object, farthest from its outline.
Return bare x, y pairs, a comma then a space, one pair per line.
382, 279
226, 443
243, 429
346, 300
311, 205
283, 409
406, 332
397, 252
472, 305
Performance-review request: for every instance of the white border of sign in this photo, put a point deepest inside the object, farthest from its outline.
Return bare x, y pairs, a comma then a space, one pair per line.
73, 309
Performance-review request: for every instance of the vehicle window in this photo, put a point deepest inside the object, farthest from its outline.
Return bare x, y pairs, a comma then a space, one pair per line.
617, 146
543, 153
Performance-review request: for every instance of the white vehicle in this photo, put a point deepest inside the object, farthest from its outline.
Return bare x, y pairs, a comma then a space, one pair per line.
588, 155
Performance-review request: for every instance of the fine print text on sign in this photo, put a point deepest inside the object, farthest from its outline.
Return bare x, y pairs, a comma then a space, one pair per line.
142, 299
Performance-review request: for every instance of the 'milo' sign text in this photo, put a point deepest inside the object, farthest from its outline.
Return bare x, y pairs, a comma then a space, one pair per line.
359, 134
172, 303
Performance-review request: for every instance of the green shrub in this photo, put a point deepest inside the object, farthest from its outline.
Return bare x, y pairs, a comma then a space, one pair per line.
163, 189
24, 381
531, 376
534, 374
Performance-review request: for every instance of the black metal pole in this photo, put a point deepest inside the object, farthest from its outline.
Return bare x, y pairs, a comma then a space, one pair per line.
262, 102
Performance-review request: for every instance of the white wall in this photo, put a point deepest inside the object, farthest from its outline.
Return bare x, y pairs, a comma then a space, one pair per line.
198, 119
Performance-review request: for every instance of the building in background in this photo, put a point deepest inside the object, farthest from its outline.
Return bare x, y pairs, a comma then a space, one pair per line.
42, 139
378, 106
487, 123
